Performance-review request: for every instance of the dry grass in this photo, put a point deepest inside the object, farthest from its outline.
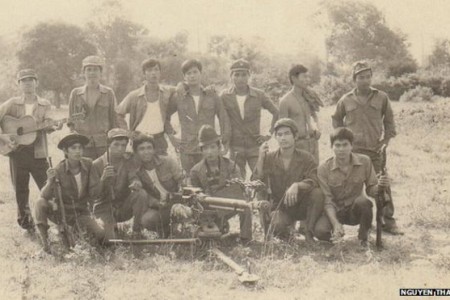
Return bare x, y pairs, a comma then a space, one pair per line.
419, 163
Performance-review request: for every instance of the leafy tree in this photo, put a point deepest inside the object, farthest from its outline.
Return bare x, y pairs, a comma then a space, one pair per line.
440, 55
357, 30
55, 50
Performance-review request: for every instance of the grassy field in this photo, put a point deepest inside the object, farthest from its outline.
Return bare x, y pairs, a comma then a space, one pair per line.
418, 161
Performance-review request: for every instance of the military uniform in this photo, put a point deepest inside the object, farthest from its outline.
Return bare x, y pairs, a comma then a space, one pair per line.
302, 169
136, 104
214, 183
245, 120
26, 160
99, 116
344, 191
191, 119
75, 196
372, 123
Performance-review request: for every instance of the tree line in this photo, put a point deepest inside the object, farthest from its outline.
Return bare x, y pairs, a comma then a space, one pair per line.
354, 31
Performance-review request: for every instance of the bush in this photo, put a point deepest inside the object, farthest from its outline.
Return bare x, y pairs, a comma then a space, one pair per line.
418, 94
445, 88
332, 88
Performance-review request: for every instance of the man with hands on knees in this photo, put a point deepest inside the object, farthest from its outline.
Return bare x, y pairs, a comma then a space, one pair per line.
290, 174
342, 179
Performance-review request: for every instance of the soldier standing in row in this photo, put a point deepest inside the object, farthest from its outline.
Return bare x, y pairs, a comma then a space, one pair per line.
196, 106
243, 104
98, 103
301, 105
368, 113
148, 106
30, 159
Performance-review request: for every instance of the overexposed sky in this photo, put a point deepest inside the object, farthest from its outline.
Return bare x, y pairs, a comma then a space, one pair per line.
285, 25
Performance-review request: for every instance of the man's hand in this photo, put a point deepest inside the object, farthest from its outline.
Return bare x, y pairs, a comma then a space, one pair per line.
303, 186
262, 138
51, 174
135, 186
290, 198
384, 181
108, 172
317, 134
58, 126
338, 231
264, 148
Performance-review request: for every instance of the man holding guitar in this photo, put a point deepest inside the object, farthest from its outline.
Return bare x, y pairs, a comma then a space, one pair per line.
27, 159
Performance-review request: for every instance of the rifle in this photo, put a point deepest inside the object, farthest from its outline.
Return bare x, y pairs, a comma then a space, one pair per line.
380, 199
111, 185
63, 229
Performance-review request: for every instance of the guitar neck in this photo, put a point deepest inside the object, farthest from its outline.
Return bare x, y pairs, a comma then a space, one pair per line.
49, 123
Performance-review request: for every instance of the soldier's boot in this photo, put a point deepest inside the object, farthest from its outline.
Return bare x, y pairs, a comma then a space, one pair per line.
43, 235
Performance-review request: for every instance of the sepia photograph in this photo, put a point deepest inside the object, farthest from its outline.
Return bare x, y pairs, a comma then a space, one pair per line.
212, 149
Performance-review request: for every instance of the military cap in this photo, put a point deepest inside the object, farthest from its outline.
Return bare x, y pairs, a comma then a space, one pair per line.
240, 65
117, 132
286, 122
360, 66
93, 60
71, 139
207, 135
26, 73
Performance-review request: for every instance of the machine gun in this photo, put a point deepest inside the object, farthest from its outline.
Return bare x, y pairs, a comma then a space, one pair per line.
380, 199
201, 219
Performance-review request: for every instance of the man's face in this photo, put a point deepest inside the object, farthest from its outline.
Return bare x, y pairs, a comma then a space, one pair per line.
301, 81
363, 80
74, 152
193, 76
211, 151
145, 152
118, 147
285, 137
342, 148
28, 85
93, 73
240, 78
152, 74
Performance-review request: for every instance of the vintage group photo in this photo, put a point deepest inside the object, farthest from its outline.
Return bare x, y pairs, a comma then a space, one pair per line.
224, 149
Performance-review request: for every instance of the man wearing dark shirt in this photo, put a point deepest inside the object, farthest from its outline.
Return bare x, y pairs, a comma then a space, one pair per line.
213, 171
243, 104
291, 176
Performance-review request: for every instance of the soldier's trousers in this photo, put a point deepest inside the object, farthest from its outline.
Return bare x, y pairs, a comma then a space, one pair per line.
81, 220
135, 205
309, 207
241, 156
360, 212
22, 164
388, 212
310, 145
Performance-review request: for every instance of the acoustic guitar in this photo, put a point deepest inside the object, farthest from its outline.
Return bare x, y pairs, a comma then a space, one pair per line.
23, 131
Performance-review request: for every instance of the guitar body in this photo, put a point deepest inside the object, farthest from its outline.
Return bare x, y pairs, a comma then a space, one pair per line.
22, 130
